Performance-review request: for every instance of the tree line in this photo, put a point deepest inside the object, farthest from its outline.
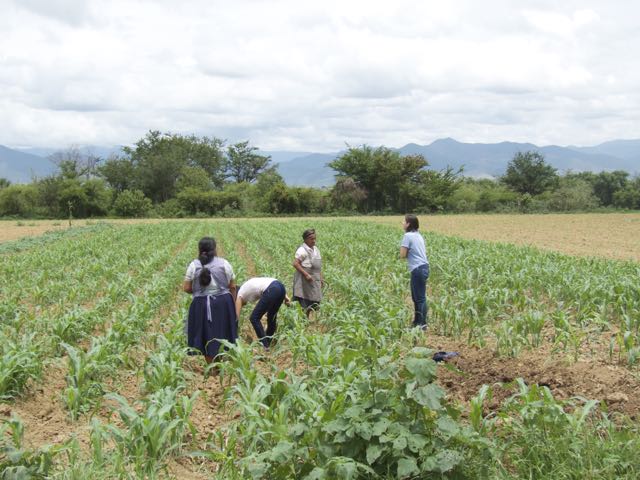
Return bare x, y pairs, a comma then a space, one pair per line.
530, 184
171, 175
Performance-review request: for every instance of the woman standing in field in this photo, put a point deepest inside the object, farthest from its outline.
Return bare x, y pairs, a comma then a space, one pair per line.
307, 279
212, 315
413, 249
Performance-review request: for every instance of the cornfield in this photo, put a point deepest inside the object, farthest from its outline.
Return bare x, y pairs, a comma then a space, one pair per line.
96, 380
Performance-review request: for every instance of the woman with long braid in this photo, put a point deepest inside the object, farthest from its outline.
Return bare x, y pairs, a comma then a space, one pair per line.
212, 314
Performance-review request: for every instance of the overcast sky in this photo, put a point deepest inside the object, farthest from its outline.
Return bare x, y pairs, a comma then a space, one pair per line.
292, 75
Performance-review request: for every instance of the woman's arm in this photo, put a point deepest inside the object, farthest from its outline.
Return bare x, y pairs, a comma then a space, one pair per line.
403, 252
187, 286
239, 304
233, 289
298, 266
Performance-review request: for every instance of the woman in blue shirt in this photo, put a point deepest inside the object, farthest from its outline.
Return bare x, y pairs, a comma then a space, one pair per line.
412, 248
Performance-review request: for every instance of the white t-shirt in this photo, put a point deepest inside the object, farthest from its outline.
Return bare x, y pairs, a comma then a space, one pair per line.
305, 254
252, 289
416, 252
212, 288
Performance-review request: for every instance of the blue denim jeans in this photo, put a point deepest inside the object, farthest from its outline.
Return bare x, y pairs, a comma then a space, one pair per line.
269, 303
419, 276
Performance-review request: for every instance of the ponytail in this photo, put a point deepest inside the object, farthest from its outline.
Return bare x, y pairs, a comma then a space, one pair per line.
207, 249
412, 222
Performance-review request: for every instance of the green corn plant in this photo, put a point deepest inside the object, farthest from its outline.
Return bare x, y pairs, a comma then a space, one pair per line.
575, 339
19, 362
508, 341
628, 340
163, 368
150, 436
633, 355
20, 462
534, 323
83, 386
612, 347
476, 413
69, 327
545, 438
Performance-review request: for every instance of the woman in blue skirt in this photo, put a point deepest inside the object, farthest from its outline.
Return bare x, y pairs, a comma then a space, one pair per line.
212, 315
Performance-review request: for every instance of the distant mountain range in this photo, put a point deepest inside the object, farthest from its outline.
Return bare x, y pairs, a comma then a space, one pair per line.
477, 159
21, 167
310, 169
24, 164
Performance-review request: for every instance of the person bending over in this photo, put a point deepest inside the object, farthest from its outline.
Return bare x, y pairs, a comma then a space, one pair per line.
269, 294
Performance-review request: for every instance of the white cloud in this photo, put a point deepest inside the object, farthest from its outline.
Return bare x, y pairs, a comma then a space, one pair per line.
291, 75
561, 24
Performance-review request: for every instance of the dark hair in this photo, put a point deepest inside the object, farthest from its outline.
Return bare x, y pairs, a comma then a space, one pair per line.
206, 250
413, 222
307, 233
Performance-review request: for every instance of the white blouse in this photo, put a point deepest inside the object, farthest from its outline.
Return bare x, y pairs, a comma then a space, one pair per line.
305, 255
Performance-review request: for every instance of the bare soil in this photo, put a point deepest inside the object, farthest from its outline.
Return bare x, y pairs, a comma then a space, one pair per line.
591, 377
607, 235
13, 230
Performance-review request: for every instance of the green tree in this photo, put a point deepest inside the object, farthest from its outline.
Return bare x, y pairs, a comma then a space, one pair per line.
119, 173
265, 183
347, 195
528, 173
131, 203
467, 195
75, 163
629, 196
392, 181
213, 202
99, 197
281, 199
4, 183
89, 198
374, 170
573, 193
495, 196
606, 184
243, 164
48, 195
433, 190
74, 186
310, 200
193, 177
246, 195
18, 200
159, 159
72, 196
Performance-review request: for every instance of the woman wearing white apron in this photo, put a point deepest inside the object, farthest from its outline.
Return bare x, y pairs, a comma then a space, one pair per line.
307, 279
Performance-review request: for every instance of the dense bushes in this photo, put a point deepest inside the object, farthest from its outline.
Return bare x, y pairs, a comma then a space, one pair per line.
570, 193
19, 200
132, 203
170, 175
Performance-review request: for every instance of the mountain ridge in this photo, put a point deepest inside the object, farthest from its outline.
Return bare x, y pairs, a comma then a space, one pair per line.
302, 168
